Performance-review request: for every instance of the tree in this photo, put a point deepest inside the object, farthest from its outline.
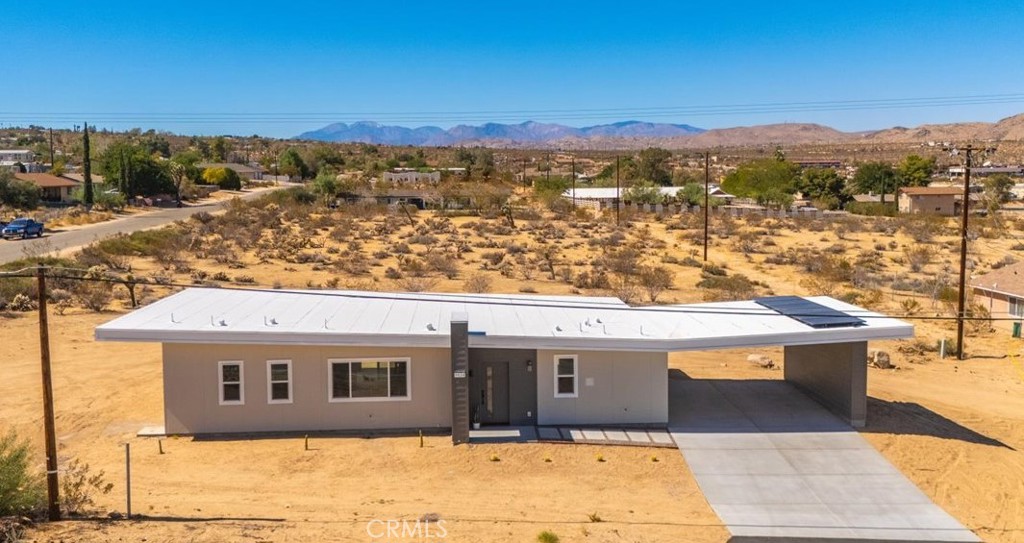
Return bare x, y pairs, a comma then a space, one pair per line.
17, 193
824, 186
644, 192
225, 178
220, 149
915, 171
326, 185
88, 197
769, 181
997, 190
653, 166
290, 163
134, 171
875, 177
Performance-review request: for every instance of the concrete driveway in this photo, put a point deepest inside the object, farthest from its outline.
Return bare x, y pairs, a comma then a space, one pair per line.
77, 237
774, 464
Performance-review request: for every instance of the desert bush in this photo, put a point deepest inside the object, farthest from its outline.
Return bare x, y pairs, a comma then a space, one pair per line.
1005, 261
245, 279
910, 307
918, 256
21, 490
21, 302
416, 284
654, 280
547, 536
443, 264
78, 486
92, 255
719, 288
477, 283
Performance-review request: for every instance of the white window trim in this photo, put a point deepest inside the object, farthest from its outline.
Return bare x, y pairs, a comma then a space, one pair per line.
1014, 306
330, 379
270, 384
241, 382
575, 376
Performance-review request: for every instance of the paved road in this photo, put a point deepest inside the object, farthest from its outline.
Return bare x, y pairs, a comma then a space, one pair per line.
72, 238
774, 464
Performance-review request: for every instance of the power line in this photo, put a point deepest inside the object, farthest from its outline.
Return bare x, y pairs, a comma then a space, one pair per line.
511, 115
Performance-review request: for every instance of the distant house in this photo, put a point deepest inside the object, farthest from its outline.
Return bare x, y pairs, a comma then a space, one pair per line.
818, 163
868, 198
78, 177
412, 177
251, 173
53, 189
957, 172
937, 200
1002, 293
17, 155
605, 197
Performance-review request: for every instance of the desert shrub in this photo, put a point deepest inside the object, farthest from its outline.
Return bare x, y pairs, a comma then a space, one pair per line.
416, 284
872, 209
918, 256
547, 536
719, 288
654, 280
21, 490
21, 302
92, 255
910, 306
220, 276
245, 279
443, 264
477, 283
78, 486
141, 243
712, 269
1005, 261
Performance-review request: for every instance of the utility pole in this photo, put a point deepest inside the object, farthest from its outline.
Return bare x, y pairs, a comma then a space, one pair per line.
961, 310
52, 490
618, 193
51, 148
573, 183
707, 199
525, 185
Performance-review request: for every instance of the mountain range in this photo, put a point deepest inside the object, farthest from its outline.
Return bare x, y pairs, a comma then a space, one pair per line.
639, 134
527, 132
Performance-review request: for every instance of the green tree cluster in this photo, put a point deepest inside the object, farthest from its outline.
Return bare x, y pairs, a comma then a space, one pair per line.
17, 193
225, 178
133, 171
770, 182
824, 186
653, 166
876, 178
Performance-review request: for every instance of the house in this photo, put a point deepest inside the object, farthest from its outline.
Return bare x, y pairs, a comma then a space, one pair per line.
1002, 293
53, 189
251, 173
938, 200
412, 177
17, 155
605, 197
78, 177
957, 172
238, 360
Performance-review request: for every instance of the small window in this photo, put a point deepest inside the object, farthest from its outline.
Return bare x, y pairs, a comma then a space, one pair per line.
279, 381
231, 376
368, 380
1016, 307
566, 376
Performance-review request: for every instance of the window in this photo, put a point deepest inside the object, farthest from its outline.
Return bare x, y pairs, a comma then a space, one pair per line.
566, 376
1016, 307
279, 381
368, 380
230, 377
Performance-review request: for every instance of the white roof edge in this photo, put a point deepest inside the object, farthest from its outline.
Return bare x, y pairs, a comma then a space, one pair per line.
810, 337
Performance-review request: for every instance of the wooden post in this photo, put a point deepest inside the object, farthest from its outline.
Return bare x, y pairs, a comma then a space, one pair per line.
707, 199
160, 445
306, 446
961, 306
421, 439
49, 426
128, 479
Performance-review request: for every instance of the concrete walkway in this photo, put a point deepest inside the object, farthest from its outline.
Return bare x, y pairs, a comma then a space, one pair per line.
775, 464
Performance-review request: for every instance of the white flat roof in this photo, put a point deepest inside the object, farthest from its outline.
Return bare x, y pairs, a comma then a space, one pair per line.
500, 321
610, 193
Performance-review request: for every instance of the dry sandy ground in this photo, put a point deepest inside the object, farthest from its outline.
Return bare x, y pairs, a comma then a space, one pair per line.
955, 429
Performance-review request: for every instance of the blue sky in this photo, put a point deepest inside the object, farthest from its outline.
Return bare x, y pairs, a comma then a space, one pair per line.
253, 67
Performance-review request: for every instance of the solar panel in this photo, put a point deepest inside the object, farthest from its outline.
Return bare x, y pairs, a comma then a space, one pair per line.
810, 313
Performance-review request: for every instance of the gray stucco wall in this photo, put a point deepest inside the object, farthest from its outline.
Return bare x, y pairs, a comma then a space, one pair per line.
191, 396
835, 374
614, 388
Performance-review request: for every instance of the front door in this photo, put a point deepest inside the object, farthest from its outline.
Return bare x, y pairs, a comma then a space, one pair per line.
488, 391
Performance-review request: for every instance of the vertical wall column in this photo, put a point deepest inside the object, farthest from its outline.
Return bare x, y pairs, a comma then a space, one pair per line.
460, 377
835, 374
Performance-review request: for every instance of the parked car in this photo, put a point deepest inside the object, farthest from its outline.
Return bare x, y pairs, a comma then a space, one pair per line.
22, 228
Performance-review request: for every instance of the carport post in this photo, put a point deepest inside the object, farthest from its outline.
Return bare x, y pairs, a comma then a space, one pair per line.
834, 374
460, 377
